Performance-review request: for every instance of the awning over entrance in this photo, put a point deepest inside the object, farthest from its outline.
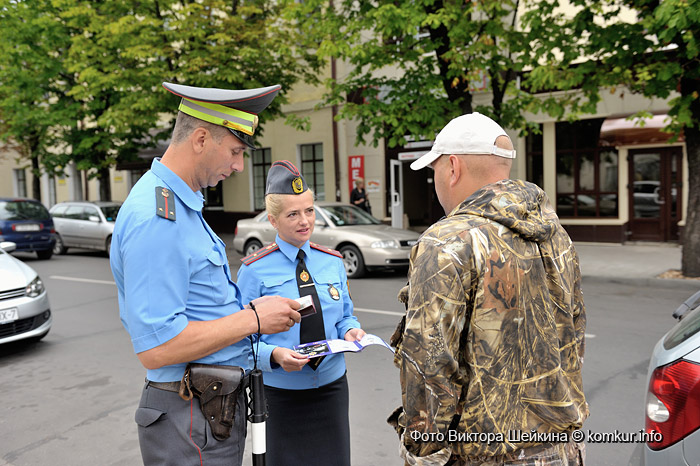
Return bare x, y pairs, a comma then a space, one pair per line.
623, 132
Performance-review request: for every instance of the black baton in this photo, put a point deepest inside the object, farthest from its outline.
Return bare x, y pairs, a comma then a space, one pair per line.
258, 416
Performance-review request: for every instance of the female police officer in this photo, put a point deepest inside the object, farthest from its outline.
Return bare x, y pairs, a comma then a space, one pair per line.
307, 398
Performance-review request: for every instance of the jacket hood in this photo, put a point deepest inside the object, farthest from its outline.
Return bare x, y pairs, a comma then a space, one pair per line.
518, 205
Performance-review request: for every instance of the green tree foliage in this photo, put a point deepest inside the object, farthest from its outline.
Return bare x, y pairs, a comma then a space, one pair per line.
32, 99
650, 47
417, 63
115, 54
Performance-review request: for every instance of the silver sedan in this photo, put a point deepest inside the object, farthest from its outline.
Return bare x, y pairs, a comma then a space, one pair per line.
25, 313
364, 241
84, 224
672, 430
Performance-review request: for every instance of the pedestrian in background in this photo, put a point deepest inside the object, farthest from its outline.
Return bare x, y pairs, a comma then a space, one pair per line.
358, 196
177, 299
307, 397
493, 338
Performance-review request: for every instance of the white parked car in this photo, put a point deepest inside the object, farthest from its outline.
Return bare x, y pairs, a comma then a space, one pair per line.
25, 312
364, 241
83, 224
673, 396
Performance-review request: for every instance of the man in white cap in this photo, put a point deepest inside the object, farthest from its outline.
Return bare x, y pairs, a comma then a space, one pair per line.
491, 347
177, 298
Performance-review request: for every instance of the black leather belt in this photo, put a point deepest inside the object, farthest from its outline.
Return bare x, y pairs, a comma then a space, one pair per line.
167, 386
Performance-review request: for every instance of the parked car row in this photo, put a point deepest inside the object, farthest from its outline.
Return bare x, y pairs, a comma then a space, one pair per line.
364, 241
32, 228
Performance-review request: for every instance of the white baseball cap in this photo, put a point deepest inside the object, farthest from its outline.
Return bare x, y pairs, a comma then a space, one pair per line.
472, 133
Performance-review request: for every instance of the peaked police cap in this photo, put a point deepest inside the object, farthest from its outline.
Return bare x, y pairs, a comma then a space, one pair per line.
284, 178
234, 109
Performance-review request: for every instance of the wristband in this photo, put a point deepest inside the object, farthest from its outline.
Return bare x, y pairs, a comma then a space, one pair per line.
252, 306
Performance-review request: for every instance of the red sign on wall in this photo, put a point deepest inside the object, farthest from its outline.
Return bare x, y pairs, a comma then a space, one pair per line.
356, 169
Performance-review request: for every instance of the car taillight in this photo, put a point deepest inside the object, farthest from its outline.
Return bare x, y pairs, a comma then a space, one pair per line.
235, 231
673, 403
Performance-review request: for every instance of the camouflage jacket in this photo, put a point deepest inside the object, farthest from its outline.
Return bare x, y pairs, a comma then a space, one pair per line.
493, 338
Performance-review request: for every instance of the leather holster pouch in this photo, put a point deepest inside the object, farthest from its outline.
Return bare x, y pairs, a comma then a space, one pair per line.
217, 388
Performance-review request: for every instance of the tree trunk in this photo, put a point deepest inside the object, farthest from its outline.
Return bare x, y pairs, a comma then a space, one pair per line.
105, 186
36, 179
691, 232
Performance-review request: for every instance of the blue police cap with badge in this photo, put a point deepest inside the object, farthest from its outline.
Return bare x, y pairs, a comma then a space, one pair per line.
284, 178
234, 109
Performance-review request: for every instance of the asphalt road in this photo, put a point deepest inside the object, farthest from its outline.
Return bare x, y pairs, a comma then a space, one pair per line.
70, 399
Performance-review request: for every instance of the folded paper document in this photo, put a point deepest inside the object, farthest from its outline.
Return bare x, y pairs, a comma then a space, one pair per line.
324, 347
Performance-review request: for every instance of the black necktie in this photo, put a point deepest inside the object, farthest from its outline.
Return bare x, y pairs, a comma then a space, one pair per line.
312, 328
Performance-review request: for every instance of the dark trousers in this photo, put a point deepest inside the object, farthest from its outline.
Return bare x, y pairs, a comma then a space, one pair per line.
309, 427
173, 432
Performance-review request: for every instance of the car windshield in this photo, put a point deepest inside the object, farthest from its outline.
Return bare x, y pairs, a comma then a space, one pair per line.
110, 212
23, 210
344, 215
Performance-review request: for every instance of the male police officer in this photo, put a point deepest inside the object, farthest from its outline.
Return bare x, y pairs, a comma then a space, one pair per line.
176, 296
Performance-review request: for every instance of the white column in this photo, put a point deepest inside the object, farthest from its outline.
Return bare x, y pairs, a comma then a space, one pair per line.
549, 160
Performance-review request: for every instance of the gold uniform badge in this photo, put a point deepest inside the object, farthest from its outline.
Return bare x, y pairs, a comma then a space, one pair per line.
333, 291
304, 276
298, 185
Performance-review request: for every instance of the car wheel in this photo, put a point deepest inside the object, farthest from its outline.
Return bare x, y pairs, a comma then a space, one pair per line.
353, 260
108, 245
43, 255
252, 246
59, 247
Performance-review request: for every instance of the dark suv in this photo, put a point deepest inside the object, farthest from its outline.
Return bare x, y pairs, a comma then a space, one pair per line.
28, 224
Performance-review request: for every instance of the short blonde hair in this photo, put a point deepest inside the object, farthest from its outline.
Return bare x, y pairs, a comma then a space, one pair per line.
274, 203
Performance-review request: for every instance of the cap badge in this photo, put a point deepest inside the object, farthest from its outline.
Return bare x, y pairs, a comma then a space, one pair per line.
304, 276
333, 291
298, 185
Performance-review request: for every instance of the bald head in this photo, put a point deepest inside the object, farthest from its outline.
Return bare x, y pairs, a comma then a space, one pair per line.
488, 167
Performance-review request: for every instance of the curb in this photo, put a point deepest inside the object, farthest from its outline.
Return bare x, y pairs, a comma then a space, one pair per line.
669, 283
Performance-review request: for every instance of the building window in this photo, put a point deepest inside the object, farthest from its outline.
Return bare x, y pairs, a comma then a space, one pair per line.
533, 159
586, 172
261, 165
20, 181
312, 168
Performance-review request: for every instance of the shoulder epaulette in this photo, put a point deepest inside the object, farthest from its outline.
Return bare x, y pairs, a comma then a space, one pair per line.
330, 251
260, 253
165, 203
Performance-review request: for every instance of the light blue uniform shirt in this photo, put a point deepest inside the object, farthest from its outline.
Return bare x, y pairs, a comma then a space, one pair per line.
275, 274
169, 273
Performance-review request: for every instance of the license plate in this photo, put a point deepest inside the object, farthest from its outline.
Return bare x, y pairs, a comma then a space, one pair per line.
8, 315
27, 227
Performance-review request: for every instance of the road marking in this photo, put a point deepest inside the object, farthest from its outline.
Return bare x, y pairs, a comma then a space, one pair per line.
590, 335
377, 311
84, 280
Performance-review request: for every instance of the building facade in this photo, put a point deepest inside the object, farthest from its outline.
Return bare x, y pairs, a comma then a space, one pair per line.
610, 179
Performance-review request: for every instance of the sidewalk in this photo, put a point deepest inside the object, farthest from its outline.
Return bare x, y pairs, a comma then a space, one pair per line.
632, 263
